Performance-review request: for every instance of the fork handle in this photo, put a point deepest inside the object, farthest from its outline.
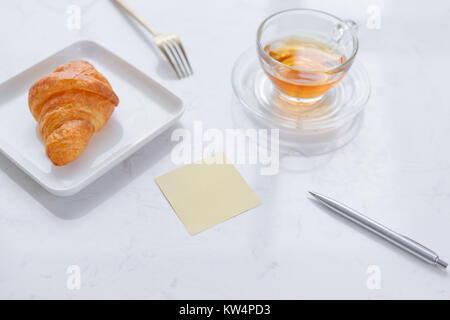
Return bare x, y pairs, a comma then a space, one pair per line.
133, 13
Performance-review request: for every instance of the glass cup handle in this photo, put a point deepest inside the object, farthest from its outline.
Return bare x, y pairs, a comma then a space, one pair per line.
348, 25
352, 25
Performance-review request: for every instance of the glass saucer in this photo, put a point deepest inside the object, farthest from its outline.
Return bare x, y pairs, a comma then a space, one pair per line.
329, 123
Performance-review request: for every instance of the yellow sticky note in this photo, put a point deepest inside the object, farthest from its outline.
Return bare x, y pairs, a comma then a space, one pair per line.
204, 194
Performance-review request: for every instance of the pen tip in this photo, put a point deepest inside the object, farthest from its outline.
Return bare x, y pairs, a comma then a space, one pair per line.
442, 263
312, 193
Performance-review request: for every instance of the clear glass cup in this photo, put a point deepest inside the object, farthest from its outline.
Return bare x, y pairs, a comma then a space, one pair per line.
306, 52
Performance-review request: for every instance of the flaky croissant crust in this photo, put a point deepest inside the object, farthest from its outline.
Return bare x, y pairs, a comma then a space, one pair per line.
71, 104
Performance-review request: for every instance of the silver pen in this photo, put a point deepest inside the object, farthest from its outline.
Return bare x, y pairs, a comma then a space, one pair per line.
398, 239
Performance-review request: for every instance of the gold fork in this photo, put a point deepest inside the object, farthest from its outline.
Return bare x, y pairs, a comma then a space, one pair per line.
168, 43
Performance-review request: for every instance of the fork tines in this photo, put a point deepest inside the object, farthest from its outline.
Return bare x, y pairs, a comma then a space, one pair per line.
173, 50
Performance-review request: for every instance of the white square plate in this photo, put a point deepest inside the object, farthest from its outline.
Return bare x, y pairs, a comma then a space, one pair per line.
146, 109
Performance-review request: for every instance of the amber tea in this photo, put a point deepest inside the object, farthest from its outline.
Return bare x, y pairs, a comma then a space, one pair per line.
307, 67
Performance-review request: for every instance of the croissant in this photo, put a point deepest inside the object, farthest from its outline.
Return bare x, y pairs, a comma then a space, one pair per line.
70, 105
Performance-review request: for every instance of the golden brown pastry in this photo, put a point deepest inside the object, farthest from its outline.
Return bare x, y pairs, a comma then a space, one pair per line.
70, 105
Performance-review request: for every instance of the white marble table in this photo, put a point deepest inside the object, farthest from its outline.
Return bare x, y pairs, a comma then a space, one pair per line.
128, 242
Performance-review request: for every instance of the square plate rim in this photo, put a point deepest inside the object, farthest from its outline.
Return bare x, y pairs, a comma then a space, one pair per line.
130, 150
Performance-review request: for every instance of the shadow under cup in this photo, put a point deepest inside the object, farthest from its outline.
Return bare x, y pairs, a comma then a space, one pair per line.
306, 52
